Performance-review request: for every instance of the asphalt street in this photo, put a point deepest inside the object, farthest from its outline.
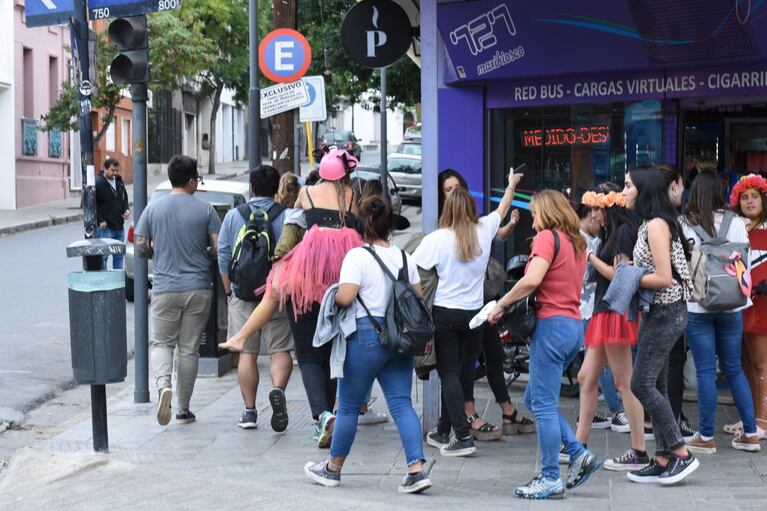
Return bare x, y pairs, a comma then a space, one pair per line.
34, 314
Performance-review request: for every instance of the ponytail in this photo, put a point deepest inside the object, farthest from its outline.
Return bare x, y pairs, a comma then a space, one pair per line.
376, 219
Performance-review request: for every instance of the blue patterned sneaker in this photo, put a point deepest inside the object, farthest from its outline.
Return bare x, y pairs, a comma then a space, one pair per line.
324, 430
321, 474
541, 489
582, 468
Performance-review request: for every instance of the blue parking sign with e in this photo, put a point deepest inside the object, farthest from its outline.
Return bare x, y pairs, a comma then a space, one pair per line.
40, 13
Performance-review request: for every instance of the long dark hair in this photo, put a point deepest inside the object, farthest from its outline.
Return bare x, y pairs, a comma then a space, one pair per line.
375, 219
705, 199
615, 218
441, 178
652, 199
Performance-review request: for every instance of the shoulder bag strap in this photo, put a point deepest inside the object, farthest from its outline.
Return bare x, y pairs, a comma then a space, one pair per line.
556, 245
380, 263
245, 211
375, 322
725, 227
403, 272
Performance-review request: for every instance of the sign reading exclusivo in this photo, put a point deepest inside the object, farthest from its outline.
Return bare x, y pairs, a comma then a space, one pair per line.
488, 39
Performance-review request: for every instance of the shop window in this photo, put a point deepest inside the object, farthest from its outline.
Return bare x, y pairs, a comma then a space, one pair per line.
570, 149
110, 135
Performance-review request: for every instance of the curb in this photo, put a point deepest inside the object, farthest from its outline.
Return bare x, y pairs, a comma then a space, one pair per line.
39, 224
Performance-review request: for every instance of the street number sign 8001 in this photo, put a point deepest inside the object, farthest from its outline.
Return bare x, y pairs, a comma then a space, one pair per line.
102, 9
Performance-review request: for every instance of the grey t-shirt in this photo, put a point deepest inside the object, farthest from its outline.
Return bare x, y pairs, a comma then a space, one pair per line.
179, 226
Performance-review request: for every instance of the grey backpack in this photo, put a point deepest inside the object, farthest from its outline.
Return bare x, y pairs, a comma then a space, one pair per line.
714, 287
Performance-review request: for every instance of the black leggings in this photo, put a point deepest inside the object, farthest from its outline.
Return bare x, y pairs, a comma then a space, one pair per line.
313, 362
494, 355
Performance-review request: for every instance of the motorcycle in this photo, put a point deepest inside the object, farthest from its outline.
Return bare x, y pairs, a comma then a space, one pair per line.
517, 350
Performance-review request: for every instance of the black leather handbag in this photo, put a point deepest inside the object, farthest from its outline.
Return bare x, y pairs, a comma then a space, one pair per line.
519, 319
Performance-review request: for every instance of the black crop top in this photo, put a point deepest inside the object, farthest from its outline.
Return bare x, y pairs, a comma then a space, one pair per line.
324, 217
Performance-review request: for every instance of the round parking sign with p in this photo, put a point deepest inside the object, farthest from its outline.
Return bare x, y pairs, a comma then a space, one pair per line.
284, 55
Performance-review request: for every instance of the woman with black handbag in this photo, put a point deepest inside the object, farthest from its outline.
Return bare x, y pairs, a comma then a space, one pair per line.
555, 273
459, 250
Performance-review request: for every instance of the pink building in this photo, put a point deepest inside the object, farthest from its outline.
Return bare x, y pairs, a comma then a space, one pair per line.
41, 170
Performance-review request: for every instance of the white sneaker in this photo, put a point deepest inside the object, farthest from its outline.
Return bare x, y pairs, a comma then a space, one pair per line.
372, 417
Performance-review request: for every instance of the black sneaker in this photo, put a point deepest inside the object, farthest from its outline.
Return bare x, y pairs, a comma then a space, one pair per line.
437, 440
582, 468
415, 483
459, 447
186, 417
620, 423
321, 474
631, 460
279, 410
249, 419
649, 474
648, 434
687, 432
600, 421
678, 469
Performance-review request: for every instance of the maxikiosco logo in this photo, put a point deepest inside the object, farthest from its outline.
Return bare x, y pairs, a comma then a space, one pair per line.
479, 35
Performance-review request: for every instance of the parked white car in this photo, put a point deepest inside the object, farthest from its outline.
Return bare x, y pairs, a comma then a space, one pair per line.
405, 169
224, 195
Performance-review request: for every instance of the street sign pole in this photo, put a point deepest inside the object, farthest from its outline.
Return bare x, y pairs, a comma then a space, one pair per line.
254, 95
384, 140
86, 129
139, 98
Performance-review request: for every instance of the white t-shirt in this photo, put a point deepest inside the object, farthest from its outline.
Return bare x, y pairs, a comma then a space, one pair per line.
361, 268
113, 182
737, 233
461, 284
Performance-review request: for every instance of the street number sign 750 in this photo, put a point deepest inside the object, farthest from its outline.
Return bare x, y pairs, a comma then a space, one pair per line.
102, 9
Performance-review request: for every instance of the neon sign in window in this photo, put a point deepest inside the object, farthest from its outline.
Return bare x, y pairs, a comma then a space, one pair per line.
582, 135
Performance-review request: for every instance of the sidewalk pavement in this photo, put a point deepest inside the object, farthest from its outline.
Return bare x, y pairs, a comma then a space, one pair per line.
213, 464
69, 210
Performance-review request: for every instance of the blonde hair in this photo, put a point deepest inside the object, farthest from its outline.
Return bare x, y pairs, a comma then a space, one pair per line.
460, 215
287, 192
552, 210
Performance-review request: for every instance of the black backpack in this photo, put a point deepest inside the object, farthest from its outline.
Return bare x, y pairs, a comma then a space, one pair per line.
253, 251
408, 325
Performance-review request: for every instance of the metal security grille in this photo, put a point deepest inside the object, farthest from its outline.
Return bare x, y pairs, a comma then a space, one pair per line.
165, 128
689, 30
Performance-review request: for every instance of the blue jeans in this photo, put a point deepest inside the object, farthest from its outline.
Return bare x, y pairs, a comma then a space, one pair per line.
367, 360
115, 234
720, 335
555, 343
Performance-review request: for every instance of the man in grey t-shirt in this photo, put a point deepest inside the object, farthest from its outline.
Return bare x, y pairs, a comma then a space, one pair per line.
176, 231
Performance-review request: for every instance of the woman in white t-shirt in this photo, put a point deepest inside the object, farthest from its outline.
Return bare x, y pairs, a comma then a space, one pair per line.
459, 250
362, 279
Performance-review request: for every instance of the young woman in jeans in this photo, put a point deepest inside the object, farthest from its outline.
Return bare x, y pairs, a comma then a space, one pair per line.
513, 421
610, 336
659, 250
713, 335
749, 199
367, 359
557, 277
459, 250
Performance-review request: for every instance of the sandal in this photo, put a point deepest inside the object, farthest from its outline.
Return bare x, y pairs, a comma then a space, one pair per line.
519, 425
486, 432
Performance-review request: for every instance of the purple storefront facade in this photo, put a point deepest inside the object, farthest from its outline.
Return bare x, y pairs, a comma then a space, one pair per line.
581, 91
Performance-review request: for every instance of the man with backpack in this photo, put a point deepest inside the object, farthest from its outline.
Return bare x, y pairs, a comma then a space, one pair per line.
245, 248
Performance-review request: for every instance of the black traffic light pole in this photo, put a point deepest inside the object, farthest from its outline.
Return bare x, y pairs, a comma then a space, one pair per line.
131, 66
254, 95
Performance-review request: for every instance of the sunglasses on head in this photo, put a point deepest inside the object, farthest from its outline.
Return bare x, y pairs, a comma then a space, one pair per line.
349, 163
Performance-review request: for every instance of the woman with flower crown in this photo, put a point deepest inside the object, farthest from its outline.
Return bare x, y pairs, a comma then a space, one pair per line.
610, 336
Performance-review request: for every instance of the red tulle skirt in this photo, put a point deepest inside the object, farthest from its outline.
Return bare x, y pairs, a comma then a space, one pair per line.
611, 328
306, 272
755, 317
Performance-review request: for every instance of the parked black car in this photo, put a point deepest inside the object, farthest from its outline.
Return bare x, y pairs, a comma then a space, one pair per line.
344, 139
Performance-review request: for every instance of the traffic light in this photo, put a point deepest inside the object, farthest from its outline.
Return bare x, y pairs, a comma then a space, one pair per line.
130, 36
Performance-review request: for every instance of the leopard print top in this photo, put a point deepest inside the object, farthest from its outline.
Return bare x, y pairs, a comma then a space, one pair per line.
643, 258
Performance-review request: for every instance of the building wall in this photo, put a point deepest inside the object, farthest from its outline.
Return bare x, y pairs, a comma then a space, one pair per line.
40, 66
7, 106
116, 142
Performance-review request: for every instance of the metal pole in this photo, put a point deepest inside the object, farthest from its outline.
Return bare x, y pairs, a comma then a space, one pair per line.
296, 144
254, 94
86, 129
139, 98
99, 418
384, 139
430, 57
